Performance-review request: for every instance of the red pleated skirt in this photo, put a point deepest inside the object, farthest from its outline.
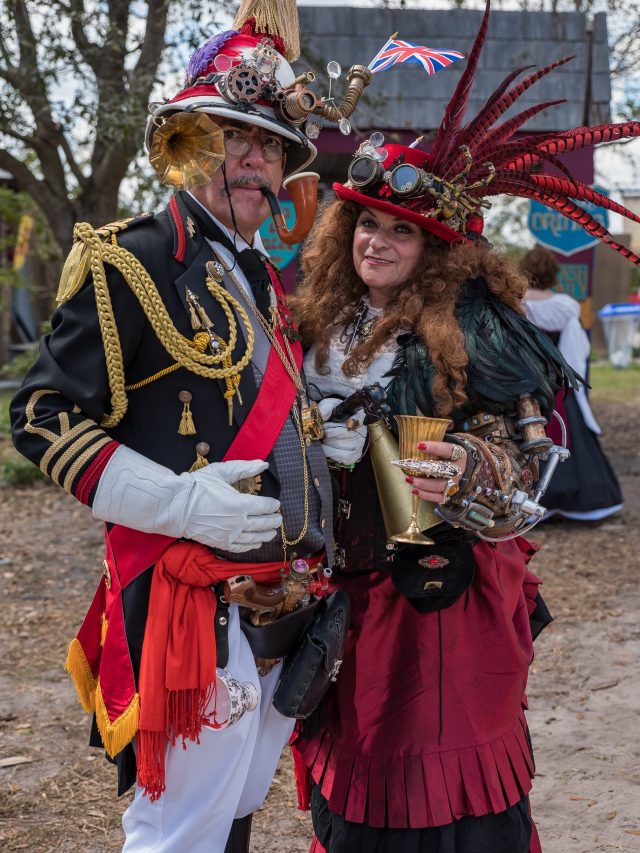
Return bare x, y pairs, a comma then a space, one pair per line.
426, 722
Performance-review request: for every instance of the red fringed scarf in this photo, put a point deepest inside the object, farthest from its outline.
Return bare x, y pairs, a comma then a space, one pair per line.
178, 667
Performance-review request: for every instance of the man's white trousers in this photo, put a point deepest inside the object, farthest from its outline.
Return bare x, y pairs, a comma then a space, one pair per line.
227, 775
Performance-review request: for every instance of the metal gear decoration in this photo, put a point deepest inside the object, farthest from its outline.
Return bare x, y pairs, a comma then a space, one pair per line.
243, 84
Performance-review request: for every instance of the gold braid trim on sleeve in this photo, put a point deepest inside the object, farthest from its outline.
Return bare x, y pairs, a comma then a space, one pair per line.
100, 247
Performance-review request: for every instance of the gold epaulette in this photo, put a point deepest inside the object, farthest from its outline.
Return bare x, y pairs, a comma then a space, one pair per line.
92, 249
78, 263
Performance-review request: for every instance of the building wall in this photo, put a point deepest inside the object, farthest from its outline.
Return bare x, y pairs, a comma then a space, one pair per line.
632, 201
611, 283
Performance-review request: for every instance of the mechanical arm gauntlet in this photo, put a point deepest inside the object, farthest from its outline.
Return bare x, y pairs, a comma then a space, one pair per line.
497, 497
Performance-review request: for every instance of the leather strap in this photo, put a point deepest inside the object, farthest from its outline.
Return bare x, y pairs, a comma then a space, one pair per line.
221, 627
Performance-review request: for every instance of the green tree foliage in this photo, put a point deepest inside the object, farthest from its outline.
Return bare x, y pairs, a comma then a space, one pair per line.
76, 77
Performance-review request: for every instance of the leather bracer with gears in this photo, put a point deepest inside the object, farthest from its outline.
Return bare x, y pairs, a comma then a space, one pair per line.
501, 469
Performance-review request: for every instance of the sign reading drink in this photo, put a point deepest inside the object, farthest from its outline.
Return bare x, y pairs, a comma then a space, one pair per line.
562, 235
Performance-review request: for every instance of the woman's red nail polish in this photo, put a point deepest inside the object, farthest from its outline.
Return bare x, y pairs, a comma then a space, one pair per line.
415, 492
409, 479
422, 445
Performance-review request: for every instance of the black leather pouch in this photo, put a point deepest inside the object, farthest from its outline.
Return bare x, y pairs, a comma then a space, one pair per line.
278, 639
310, 669
434, 577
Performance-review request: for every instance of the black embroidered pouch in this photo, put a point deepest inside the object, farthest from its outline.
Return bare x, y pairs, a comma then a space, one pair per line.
433, 577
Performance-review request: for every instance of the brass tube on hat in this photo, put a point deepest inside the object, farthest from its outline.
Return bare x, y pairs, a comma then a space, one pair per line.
359, 78
304, 78
303, 189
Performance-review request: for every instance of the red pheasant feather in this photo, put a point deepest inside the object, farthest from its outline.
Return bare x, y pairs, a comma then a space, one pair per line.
582, 137
508, 80
503, 132
489, 118
514, 158
450, 124
568, 208
585, 220
577, 190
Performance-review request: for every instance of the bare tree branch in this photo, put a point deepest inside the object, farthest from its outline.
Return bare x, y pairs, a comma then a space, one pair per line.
152, 46
24, 178
10, 131
86, 48
28, 68
10, 69
76, 171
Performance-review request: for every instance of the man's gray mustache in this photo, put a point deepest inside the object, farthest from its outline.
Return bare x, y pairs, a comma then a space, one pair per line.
245, 180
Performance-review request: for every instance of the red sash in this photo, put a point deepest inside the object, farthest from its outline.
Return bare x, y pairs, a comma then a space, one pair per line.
134, 551
262, 426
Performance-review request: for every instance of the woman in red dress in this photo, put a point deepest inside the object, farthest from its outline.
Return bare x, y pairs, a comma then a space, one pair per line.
422, 745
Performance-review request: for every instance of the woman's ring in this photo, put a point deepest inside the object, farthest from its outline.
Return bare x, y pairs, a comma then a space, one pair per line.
457, 452
451, 488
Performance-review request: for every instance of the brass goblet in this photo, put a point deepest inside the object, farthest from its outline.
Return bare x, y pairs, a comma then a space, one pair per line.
411, 430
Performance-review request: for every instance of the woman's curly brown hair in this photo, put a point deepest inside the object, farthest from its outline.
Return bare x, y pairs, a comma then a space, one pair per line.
331, 291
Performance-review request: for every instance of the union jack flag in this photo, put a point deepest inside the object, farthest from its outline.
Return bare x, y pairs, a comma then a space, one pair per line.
397, 50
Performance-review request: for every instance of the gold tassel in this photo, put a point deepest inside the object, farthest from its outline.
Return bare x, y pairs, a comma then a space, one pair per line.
75, 271
117, 734
195, 320
202, 449
103, 629
187, 426
275, 18
78, 668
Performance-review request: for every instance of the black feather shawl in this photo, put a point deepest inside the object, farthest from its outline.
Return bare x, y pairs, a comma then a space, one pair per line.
508, 356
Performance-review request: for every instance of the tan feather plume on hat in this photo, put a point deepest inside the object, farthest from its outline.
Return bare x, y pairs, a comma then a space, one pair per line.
275, 18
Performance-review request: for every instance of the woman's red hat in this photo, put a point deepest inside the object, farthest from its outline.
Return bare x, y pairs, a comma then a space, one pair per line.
419, 211
472, 159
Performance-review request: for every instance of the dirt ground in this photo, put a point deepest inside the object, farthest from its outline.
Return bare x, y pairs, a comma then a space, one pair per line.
57, 794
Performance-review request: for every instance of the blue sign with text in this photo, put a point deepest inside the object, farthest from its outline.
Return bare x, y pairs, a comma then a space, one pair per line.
279, 252
562, 235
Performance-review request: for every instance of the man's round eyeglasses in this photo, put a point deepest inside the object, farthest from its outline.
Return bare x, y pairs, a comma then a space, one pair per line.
238, 145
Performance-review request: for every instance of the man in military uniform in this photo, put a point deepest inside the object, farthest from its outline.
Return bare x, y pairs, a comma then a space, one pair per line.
171, 374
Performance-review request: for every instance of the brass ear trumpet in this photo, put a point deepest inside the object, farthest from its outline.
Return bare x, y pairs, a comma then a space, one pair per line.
187, 150
303, 189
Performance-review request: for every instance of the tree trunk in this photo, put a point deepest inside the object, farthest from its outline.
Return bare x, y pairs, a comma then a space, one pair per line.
5, 300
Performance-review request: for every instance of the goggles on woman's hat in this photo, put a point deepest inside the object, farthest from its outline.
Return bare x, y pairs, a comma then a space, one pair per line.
445, 191
398, 180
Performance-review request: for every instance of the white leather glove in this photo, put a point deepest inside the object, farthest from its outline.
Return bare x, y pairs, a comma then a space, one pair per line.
339, 443
136, 492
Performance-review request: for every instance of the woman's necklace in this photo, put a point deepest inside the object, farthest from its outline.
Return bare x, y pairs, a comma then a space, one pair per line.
361, 328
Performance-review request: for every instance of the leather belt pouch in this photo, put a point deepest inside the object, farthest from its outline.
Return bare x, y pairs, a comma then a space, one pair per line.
309, 671
279, 638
